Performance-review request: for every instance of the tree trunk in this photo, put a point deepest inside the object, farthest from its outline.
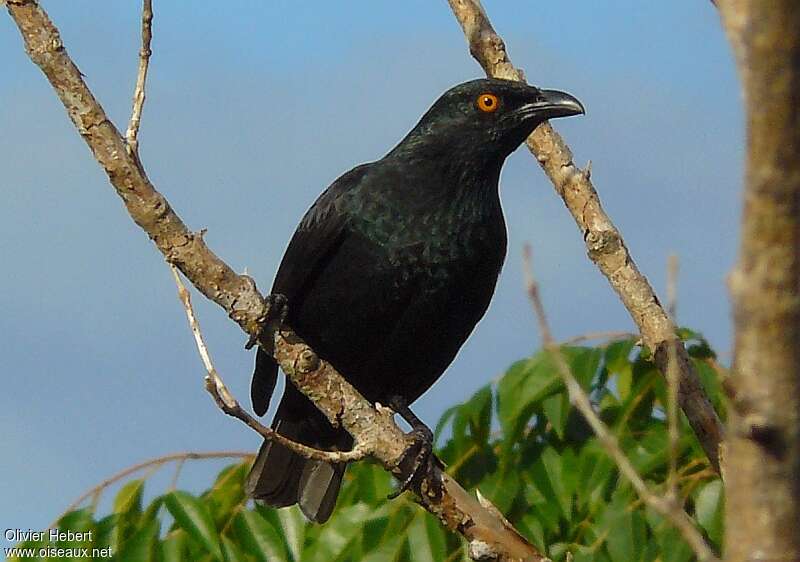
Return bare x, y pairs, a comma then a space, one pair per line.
763, 456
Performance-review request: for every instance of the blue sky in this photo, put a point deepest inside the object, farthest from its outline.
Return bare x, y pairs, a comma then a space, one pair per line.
253, 108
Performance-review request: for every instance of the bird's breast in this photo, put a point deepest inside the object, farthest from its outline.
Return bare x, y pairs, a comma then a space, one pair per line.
429, 247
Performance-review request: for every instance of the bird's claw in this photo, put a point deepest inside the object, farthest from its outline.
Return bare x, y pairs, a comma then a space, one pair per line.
277, 308
277, 312
418, 460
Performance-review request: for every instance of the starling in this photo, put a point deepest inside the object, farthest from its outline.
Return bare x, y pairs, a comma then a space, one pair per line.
391, 268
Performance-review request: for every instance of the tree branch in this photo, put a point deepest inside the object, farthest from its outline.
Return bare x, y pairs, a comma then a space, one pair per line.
673, 267
228, 403
238, 296
763, 492
157, 462
666, 506
604, 242
132, 134
608, 336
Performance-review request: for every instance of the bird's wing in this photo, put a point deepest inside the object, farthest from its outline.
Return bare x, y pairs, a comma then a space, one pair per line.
319, 234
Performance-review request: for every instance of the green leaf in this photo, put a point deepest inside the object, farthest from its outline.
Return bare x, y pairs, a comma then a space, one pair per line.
527, 383
74, 532
709, 508
294, 529
625, 530
620, 540
258, 537
173, 547
129, 498
128, 508
696, 344
141, 546
584, 363
227, 494
531, 528
373, 530
539, 494
478, 412
554, 470
232, 552
638, 400
624, 383
617, 355
712, 383
152, 510
558, 551
448, 415
192, 516
501, 488
671, 544
460, 425
582, 553
547, 488
333, 539
388, 551
597, 474
104, 532
569, 472
521, 388
427, 539
79, 521
557, 408
686, 334
371, 482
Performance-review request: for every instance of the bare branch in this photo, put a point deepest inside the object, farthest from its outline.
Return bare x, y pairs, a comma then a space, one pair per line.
673, 381
673, 266
604, 242
186, 300
669, 509
237, 295
132, 134
178, 467
95, 491
608, 336
228, 403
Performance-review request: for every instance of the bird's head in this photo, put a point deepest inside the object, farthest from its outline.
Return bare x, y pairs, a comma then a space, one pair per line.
488, 118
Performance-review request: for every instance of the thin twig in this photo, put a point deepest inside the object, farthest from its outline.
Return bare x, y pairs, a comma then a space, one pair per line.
132, 134
670, 510
95, 491
673, 380
604, 243
607, 336
672, 286
228, 403
178, 467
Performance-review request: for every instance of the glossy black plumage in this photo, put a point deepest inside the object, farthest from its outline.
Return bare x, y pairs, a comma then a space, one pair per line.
391, 268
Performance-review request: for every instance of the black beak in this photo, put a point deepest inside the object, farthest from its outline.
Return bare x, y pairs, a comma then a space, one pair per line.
551, 104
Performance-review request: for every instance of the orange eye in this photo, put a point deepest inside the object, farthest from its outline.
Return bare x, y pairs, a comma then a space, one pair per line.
488, 103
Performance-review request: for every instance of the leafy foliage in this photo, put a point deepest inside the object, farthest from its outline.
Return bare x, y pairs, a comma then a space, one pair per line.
518, 441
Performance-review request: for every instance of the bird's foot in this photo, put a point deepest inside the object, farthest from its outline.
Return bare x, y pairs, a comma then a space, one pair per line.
418, 459
277, 312
277, 308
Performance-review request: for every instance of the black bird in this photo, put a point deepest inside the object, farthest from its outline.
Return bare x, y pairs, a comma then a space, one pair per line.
391, 268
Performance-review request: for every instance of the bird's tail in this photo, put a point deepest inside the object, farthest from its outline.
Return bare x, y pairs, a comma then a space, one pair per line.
280, 477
